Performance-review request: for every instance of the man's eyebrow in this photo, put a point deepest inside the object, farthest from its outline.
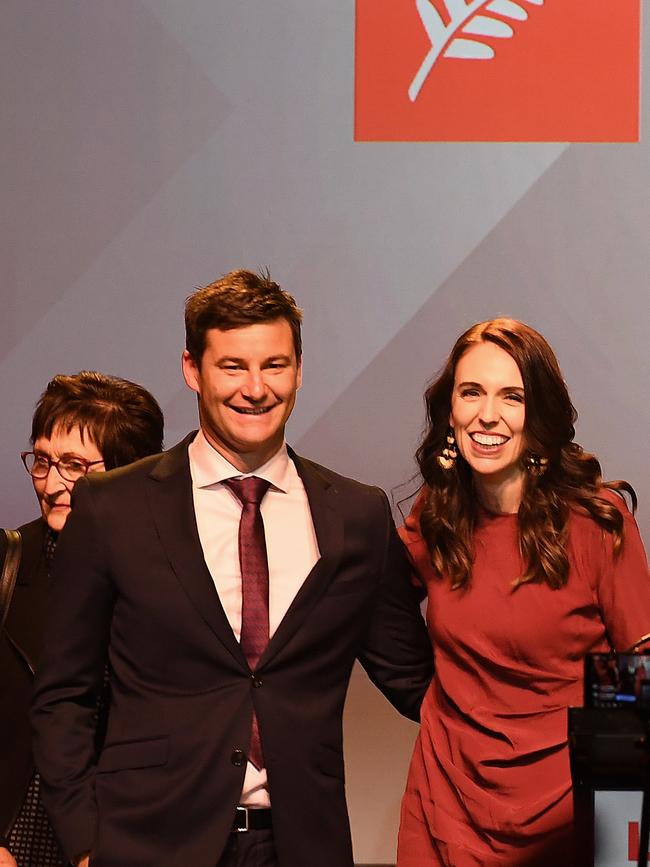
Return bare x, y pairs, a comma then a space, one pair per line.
234, 359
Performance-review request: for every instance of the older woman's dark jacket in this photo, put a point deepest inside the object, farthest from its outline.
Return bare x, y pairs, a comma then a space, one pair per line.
20, 644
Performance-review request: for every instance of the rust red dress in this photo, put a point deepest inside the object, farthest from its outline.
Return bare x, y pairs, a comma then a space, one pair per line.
489, 781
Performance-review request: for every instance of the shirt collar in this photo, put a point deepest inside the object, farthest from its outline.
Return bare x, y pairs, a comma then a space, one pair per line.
209, 468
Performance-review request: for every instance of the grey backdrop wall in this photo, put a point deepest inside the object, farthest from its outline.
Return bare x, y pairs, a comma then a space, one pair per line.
150, 145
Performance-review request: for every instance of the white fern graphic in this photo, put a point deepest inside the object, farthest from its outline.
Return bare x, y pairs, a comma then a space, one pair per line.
465, 17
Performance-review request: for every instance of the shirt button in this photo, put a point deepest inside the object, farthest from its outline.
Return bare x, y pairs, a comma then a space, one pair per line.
257, 683
238, 758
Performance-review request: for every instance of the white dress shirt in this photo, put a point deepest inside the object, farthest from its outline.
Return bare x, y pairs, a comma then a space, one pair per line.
291, 546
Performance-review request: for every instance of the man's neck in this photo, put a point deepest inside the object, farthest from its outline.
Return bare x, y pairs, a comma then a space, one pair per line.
243, 462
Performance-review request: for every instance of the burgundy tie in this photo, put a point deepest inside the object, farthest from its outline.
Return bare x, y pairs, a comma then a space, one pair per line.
254, 584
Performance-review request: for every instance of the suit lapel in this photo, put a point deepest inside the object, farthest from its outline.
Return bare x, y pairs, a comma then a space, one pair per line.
172, 506
328, 525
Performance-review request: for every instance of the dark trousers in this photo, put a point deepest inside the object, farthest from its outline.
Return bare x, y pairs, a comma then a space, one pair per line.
250, 849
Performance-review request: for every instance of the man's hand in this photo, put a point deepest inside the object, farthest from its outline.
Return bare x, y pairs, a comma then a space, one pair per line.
6, 858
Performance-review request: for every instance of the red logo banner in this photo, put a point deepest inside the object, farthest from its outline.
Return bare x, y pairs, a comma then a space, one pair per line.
497, 70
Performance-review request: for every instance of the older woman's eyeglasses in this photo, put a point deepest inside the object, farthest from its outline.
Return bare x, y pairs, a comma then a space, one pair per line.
68, 467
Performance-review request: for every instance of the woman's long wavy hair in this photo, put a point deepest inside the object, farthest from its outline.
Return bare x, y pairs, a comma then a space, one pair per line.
572, 480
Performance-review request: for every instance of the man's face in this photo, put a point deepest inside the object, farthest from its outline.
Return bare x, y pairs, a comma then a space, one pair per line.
246, 382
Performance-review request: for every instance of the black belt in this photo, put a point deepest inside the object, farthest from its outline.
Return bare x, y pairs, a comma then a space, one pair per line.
247, 819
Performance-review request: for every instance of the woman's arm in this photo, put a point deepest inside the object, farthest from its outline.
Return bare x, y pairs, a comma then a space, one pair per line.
623, 584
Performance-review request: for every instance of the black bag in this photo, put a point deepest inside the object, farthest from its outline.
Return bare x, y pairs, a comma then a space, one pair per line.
9, 572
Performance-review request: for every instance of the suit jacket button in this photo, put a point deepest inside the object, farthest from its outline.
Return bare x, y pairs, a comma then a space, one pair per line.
238, 758
257, 683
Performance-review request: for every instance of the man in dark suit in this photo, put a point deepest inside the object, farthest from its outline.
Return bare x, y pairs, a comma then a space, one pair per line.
232, 584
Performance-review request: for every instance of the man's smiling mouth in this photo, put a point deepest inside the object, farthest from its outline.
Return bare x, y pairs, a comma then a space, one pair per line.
253, 410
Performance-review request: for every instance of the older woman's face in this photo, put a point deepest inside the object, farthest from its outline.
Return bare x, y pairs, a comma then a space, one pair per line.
53, 491
488, 413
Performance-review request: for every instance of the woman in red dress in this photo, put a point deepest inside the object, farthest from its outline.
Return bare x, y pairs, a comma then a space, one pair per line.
529, 561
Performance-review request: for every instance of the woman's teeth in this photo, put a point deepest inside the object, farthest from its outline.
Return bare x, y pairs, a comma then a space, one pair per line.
489, 439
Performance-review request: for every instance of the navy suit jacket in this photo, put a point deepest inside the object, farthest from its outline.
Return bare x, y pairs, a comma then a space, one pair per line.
130, 575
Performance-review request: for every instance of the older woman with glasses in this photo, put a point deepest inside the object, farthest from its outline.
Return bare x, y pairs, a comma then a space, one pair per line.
86, 422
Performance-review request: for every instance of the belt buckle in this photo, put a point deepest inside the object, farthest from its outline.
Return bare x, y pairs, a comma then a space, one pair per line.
241, 811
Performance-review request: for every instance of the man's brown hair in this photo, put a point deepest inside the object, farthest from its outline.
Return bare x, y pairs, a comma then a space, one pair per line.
235, 300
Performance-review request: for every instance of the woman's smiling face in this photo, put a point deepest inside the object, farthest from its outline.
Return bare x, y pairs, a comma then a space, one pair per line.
488, 414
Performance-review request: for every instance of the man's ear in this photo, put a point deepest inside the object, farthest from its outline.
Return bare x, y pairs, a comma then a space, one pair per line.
299, 374
191, 372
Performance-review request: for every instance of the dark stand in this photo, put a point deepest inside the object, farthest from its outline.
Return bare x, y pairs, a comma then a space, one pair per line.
644, 834
609, 749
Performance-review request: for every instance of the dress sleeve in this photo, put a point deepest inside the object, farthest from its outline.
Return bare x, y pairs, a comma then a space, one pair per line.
623, 583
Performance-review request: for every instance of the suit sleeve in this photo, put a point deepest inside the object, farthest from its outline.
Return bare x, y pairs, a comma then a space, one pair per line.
70, 676
397, 653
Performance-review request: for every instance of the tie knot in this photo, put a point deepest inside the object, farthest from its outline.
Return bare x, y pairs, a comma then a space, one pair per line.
249, 490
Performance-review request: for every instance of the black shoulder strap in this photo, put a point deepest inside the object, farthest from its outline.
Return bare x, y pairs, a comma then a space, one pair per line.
9, 572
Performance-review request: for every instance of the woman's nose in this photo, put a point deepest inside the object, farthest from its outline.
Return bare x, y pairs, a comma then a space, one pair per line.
53, 481
488, 412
